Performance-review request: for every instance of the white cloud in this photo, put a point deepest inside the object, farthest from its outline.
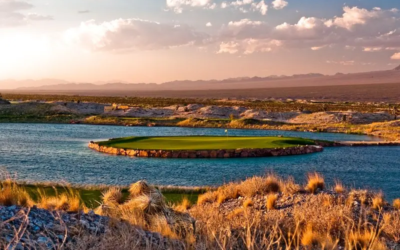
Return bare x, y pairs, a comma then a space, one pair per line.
261, 7
354, 16
249, 46
395, 56
228, 47
132, 34
317, 48
11, 15
344, 63
246, 6
178, 5
245, 22
279, 4
244, 29
209, 24
241, 2
372, 49
357, 28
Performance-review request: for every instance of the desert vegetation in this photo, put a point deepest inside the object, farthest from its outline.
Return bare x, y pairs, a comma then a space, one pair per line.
262, 212
268, 105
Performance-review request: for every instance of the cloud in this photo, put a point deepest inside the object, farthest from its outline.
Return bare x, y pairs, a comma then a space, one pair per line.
209, 24
246, 6
38, 17
123, 35
344, 63
11, 15
356, 28
228, 47
178, 5
262, 7
279, 4
354, 16
249, 46
395, 56
244, 29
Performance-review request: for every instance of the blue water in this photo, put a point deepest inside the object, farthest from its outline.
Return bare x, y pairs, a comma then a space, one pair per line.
47, 152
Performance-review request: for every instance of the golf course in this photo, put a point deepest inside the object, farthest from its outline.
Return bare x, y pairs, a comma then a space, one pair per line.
204, 142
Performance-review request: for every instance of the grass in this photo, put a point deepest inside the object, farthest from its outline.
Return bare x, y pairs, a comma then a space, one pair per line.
92, 197
247, 217
204, 142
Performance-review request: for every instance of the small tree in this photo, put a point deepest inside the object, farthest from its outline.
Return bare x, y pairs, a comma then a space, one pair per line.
231, 117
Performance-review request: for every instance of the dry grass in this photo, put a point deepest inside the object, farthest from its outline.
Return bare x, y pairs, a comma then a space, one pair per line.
184, 205
12, 194
259, 185
248, 203
290, 187
227, 192
396, 204
367, 239
113, 196
339, 188
271, 201
313, 239
69, 201
378, 201
146, 207
301, 221
315, 183
140, 188
208, 197
392, 226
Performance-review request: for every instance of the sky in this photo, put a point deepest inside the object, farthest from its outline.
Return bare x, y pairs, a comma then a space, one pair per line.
164, 40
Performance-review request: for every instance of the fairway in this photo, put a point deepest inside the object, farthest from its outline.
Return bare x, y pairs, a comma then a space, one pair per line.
204, 142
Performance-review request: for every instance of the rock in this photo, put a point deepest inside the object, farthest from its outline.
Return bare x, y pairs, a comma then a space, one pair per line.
4, 102
42, 239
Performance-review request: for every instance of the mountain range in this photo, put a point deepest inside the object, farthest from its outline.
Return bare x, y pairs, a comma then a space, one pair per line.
303, 80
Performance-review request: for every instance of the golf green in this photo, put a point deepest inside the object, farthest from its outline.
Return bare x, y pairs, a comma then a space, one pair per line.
204, 142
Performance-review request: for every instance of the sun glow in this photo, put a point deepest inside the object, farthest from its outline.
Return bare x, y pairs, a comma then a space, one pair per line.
19, 50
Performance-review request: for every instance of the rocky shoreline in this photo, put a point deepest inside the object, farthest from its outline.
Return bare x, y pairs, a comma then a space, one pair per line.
233, 153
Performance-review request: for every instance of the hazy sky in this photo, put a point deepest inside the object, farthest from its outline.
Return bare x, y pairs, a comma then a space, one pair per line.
163, 40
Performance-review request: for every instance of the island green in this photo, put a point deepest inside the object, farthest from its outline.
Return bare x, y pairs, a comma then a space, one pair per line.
205, 142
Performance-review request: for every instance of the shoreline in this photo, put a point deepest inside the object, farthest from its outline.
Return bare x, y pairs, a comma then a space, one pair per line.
221, 153
320, 129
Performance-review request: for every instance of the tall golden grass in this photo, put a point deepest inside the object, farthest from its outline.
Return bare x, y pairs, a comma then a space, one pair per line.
241, 215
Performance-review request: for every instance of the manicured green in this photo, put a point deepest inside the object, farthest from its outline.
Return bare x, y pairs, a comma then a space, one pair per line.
204, 142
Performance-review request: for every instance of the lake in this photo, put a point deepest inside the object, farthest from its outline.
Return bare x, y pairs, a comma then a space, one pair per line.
59, 153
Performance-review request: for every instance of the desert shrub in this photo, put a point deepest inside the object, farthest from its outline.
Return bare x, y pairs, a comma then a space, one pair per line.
339, 188
315, 183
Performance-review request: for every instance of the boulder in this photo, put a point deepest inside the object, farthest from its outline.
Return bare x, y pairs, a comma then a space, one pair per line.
4, 102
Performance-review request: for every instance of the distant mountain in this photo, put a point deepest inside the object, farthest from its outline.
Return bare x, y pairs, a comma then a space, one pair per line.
397, 68
301, 80
13, 84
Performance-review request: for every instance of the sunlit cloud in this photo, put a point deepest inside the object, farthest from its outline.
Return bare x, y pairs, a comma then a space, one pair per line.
11, 13
279, 4
132, 34
396, 56
178, 5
